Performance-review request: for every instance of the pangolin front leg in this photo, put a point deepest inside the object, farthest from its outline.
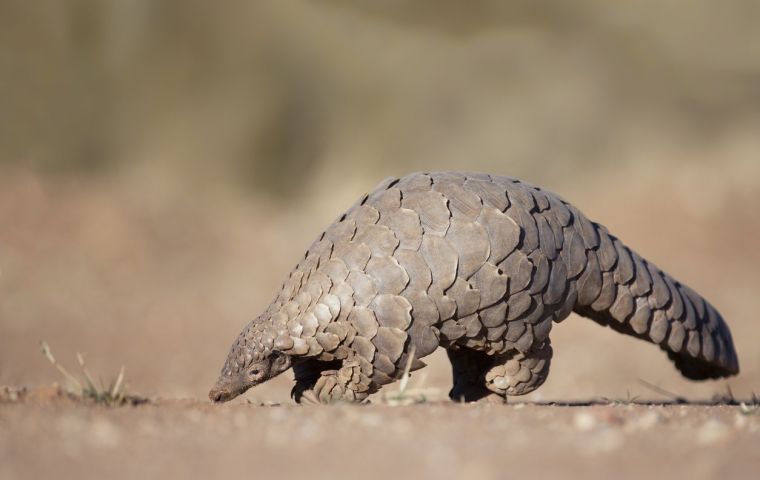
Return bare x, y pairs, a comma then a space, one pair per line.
346, 384
306, 374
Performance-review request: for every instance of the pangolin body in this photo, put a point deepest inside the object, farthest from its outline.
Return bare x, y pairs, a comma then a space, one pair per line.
481, 265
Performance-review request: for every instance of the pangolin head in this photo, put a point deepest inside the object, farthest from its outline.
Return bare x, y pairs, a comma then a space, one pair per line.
248, 364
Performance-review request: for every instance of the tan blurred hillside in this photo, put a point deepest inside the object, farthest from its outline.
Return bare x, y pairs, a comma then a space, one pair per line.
164, 164
282, 95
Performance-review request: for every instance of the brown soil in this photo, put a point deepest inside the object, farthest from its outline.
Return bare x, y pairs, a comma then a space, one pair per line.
48, 436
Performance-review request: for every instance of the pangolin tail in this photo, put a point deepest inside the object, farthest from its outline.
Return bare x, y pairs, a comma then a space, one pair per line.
622, 290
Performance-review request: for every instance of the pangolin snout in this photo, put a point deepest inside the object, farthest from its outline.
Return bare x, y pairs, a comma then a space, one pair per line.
222, 392
216, 395
226, 389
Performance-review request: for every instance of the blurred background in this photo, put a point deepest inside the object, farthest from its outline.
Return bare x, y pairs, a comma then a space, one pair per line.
163, 165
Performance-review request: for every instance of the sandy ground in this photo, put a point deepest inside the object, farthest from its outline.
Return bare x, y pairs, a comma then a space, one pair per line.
189, 439
162, 282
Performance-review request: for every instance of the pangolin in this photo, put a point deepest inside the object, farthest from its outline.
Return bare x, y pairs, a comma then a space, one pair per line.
479, 264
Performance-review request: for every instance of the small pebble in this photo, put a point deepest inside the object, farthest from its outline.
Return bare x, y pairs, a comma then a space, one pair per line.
644, 422
740, 421
584, 421
712, 431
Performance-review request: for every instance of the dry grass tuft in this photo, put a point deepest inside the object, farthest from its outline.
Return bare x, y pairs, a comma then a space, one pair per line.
87, 389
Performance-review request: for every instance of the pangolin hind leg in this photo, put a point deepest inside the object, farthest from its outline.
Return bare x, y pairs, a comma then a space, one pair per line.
518, 373
468, 368
347, 383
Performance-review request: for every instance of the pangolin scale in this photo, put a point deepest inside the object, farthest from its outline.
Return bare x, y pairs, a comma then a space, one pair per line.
481, 265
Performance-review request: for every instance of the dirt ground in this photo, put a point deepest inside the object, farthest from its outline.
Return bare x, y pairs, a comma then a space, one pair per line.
44, 437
